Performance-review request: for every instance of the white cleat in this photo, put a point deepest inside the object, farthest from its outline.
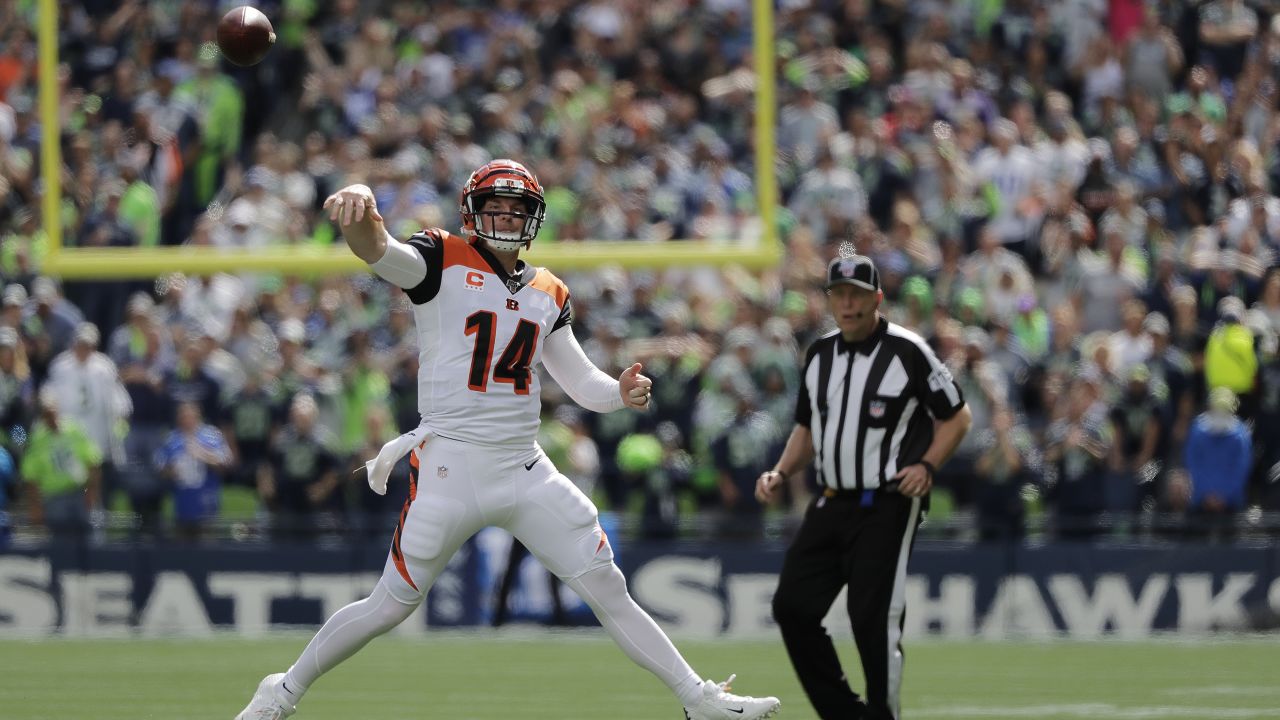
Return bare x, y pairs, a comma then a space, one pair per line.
718, 703
266, 703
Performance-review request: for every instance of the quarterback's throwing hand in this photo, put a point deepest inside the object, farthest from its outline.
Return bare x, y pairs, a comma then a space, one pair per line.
351, 203
635, 388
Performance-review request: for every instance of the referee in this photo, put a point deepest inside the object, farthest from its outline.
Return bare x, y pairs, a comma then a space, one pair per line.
877, 414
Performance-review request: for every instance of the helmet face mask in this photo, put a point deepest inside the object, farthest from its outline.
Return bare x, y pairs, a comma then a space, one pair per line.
508, 179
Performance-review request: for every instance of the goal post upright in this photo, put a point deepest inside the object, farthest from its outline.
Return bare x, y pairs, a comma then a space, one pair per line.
102, 263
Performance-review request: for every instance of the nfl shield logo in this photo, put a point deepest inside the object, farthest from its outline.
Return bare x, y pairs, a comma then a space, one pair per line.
442, 472
876, 409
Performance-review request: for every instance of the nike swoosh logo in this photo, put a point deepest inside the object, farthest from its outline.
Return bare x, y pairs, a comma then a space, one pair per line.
739, 710
286, 687
530, 465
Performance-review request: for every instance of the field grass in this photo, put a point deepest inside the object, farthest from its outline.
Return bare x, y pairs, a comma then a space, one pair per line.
528, 674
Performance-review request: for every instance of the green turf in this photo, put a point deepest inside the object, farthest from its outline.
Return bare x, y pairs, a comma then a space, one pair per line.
522, 674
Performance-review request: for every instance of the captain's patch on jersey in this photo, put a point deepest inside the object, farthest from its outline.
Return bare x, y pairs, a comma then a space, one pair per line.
475, 280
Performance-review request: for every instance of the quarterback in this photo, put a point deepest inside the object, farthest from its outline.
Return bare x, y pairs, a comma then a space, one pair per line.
485, 319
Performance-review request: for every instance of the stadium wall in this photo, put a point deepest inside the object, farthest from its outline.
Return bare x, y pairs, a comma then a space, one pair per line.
993, 592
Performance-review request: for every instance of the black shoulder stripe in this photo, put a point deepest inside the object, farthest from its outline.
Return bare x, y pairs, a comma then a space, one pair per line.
429, 244
566, 315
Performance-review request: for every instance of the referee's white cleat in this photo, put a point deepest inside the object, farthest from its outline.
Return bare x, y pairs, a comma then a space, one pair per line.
267, 703
718, 703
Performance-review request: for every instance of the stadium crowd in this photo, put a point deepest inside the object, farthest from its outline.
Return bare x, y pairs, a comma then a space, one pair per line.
1074, 201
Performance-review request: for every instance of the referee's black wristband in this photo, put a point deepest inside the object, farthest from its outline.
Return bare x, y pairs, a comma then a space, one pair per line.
929, 467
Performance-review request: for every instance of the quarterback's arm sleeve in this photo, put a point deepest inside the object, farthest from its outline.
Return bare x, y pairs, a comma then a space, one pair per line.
569, 366
401, 265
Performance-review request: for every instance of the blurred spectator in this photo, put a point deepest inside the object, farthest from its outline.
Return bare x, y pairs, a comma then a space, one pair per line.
61, 467
1172, 375
370, 510
742, 451
1269, 299
1152, 56
1164, 281
662, 471
17, 395
804, 124
143, 358
1130, 345
1004, 468
829, 197
1108, 282
296, 373
189, 381
1079, 447
129, 341
1226, 28
1219, 282
50, 315
1140, 420
87, 387
299, 480
1218, 455
1012, 171
581, 458
1031, 328
248, 415
984, 387
1005, 353
193, 458
1186, 331
219, 107
364, 389
1230, 360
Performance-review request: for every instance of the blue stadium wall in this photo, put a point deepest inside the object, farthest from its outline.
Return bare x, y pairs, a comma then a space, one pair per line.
992, 592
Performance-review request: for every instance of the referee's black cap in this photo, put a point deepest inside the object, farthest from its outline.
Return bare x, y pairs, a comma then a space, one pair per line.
853, 270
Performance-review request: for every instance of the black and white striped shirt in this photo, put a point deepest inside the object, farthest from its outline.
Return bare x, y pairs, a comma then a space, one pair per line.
870, 405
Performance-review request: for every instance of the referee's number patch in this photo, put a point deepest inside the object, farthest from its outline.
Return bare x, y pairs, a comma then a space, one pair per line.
940, 379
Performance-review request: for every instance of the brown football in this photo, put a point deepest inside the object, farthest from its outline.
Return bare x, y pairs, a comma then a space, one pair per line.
245, 35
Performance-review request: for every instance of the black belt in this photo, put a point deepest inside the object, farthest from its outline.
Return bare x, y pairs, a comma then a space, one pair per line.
863, 497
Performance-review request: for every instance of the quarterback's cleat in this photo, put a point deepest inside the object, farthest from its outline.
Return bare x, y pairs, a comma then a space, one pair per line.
267, 703
718, 703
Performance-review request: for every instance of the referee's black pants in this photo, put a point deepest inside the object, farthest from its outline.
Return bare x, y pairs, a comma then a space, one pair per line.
862, 540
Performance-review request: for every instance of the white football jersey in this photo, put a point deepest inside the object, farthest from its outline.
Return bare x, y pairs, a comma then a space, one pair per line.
480, 336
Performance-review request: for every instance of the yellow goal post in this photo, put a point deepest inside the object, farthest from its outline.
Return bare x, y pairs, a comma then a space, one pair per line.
100, 263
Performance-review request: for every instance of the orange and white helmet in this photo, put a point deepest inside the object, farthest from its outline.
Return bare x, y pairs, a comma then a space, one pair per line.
503, 178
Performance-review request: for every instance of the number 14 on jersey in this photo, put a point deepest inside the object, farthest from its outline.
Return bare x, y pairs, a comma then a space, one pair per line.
513, 365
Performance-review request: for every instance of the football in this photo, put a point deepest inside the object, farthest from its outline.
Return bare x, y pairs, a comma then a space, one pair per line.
245, 35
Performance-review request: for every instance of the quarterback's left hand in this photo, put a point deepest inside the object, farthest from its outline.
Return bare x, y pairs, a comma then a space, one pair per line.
635, 388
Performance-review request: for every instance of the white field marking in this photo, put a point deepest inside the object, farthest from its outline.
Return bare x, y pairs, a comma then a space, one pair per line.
1225, 690
1095, 710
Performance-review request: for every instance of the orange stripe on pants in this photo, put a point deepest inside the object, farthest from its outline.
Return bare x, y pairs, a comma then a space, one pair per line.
397, 557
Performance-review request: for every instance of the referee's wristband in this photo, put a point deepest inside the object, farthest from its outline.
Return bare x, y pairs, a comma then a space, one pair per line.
928, 466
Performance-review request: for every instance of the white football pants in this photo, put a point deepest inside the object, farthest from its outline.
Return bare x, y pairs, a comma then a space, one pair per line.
456, 489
